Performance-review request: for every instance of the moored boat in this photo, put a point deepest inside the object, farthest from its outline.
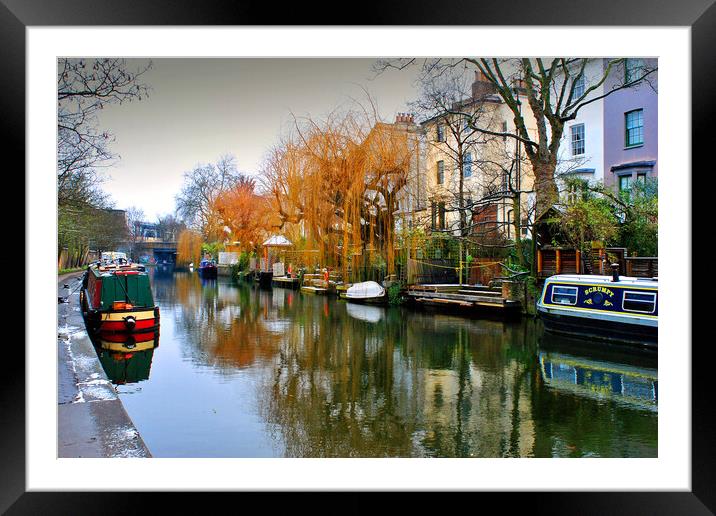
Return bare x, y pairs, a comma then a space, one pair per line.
117, 298
207, 269
623, 309
365, 292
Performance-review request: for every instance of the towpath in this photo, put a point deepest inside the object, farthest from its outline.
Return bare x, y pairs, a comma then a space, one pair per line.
92, 421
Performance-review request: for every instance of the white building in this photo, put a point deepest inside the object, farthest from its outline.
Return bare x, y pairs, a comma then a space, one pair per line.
581, 152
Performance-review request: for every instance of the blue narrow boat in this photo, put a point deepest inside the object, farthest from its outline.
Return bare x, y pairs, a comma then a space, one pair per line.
207, 269
612, 308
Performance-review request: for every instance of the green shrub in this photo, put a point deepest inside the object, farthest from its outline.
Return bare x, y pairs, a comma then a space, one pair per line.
394, 295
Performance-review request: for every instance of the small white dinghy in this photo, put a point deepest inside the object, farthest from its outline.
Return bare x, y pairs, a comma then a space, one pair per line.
366, 292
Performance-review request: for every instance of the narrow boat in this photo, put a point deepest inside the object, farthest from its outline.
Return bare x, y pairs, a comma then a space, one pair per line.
623, 309
117, 298
207, 269
365, 292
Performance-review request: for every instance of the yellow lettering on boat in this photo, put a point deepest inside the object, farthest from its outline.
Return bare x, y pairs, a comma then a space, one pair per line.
603, 290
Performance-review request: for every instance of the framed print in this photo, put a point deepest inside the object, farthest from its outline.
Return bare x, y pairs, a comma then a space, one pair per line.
274, 261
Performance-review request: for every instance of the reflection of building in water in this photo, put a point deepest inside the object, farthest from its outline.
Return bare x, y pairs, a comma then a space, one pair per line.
473, 388
636, 386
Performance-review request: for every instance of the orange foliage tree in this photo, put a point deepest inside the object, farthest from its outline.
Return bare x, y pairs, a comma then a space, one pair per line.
245, 213
188, 247
339, 181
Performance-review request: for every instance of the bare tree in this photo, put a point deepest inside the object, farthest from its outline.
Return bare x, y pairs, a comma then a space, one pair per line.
195, 203
84, 88
453, 112
135, 217
169, 227
556, 90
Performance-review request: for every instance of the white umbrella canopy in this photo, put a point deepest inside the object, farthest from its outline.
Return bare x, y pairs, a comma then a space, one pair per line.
277, 241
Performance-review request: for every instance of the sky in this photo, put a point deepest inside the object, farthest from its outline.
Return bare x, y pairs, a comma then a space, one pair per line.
199, 109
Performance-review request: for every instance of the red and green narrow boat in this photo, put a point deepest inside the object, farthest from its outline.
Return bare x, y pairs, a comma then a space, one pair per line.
117, 299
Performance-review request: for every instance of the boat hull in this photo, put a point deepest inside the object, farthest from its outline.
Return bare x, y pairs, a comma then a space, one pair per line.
378, 300
264, 279
601, 329
208, 272
132, 321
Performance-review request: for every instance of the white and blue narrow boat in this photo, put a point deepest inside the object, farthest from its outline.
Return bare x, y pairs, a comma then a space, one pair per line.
623, 309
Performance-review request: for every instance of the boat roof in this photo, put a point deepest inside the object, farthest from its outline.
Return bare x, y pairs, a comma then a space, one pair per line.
591, 279
109, 268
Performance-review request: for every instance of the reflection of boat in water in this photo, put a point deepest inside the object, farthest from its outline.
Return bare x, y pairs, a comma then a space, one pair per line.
602, 307
128, 360
365, 292
371, 314
630, 384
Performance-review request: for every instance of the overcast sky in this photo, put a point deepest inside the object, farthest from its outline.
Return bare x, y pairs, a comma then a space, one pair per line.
199, 109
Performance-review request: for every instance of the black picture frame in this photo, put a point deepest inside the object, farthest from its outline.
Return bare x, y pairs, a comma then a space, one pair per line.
16, 15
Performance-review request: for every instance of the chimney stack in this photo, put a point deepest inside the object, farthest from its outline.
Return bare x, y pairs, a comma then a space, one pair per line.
482, 86
404, 118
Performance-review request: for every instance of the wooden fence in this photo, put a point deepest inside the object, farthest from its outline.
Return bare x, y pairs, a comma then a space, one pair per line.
562, 260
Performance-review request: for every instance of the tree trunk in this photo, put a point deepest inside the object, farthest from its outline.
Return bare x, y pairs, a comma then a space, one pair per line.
545, 184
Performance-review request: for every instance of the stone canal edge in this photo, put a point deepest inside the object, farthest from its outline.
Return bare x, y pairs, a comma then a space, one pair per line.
91, 419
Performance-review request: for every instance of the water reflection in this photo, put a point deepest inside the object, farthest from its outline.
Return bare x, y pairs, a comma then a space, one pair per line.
127, 358
324, 378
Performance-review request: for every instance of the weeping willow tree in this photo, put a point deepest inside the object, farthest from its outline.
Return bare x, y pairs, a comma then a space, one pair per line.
188, 247
335, 186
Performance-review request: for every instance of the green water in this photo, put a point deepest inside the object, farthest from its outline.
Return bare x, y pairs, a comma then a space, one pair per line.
243, 372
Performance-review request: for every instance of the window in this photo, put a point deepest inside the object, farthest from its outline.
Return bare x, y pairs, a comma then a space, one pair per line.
634, 124
440, 133
510, 222
578, 87
641, 176
564, 295
441, 172
633, 70
437, 215
577, 139
504, 130
467, 164
625, 183
641, 302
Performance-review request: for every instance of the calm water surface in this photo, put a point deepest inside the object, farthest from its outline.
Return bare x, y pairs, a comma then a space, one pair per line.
243, 372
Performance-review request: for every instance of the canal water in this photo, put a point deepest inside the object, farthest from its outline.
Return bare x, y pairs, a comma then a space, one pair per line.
245, 372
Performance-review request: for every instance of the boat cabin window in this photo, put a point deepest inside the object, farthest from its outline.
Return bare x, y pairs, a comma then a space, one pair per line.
639, 302
564, 295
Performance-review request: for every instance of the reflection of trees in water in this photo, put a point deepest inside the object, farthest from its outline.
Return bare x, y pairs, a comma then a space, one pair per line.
474, 378
399, 383
336, 391
227, 324
407, 385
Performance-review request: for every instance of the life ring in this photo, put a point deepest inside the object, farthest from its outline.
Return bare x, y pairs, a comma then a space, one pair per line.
325, 275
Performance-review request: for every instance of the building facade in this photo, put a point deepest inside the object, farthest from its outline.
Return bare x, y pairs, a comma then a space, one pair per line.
631, 126
487, 168
614, 138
